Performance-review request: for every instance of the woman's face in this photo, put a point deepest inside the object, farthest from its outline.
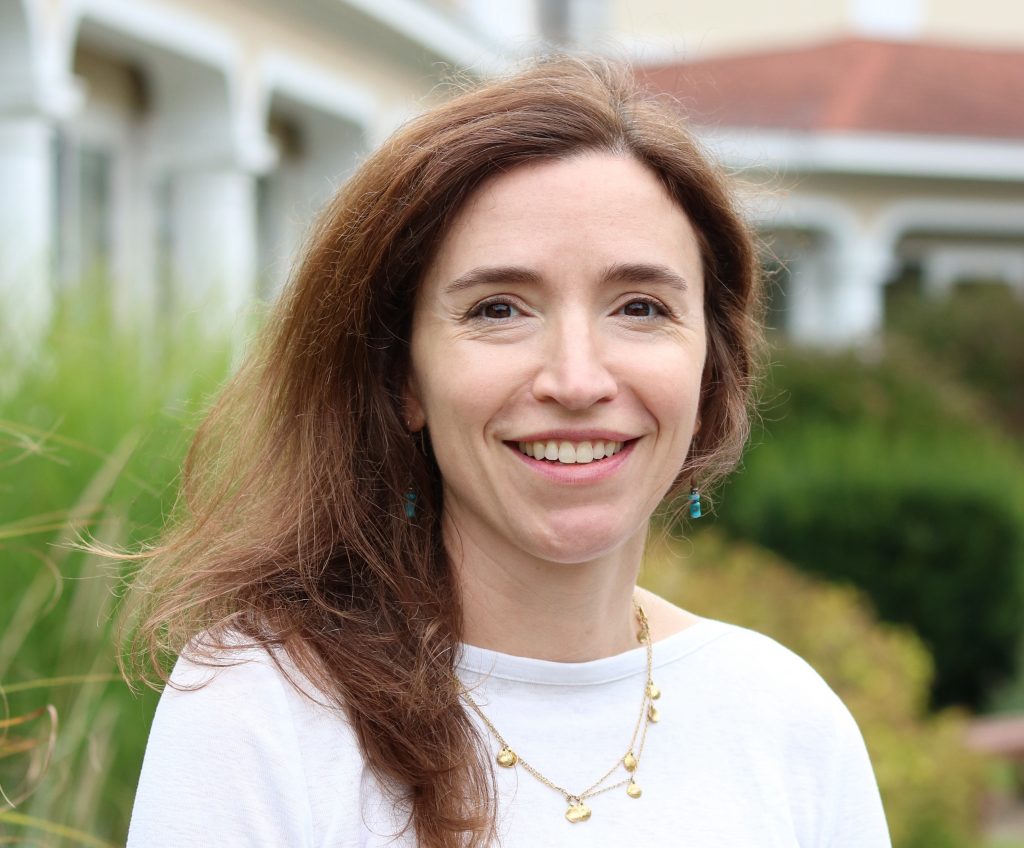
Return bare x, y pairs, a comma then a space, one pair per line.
558, 343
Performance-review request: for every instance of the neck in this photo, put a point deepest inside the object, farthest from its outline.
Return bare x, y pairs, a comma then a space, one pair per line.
518, 604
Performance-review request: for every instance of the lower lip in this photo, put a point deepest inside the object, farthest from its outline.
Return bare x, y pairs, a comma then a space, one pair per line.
577, 474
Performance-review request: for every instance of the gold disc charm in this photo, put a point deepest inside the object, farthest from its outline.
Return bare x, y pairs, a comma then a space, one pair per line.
634, 791
629, 761
653, 692
507, 757
578, 811
652, 714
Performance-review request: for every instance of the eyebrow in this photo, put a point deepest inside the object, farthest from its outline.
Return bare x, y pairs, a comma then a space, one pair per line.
624, 272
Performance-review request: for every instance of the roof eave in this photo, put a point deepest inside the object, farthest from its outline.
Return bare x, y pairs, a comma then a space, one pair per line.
431, 30
868, 153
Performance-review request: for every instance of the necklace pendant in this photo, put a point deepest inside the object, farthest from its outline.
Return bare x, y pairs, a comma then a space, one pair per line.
507, 757
629, 761
578, 811
653, 692
652, 714
633, 790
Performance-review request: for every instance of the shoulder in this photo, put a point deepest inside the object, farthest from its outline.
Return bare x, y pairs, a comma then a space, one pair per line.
241, 687
253, 695
788, 715
751, 652
756, 679
752, 695
236, 667
236, 749
743, 657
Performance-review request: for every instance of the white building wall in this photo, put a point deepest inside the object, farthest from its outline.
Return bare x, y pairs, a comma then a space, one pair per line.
26, 218
227, 124
135, 137
660, 30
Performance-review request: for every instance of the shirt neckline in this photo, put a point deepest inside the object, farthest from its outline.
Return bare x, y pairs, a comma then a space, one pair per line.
488, 663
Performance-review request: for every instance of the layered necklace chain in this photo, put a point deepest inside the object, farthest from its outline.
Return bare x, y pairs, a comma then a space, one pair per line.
578, 810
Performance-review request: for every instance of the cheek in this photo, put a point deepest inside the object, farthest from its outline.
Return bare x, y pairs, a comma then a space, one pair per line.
478, 379
461, 400
672, 388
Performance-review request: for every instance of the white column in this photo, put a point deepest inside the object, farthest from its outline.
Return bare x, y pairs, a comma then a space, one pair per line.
26, 230
213, 253
806, 301
862, 266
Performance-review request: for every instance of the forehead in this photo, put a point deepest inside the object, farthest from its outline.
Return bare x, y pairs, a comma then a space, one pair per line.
594, 209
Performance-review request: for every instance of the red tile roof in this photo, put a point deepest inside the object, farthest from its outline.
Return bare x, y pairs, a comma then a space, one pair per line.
857, 85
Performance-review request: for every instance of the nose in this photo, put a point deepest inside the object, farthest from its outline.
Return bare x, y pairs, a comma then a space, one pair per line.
574, 372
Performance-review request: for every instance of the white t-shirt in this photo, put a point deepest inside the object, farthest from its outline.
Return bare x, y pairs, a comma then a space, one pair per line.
752, 749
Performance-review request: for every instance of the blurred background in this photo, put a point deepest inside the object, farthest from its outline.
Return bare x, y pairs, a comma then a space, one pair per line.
160, 163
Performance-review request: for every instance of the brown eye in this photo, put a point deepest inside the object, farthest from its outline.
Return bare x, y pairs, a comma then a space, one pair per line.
498, 311
639, 309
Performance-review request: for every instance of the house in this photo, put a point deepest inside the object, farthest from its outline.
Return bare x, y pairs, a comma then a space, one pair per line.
178, 148
870, 161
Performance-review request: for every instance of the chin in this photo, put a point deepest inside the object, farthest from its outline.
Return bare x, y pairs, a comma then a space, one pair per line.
578, 542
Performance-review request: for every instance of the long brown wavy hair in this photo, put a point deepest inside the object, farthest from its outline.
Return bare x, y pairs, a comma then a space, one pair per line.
290, 528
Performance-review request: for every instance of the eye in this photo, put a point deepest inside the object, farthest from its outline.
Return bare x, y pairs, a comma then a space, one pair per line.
642, 308
495, 310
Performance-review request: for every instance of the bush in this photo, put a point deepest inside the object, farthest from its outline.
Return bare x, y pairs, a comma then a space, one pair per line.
874, 474
975, 335
92, 433
930, 783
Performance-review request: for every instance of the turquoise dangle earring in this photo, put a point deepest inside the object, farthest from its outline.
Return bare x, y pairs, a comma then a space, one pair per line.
694, 491
694, 501
410, 495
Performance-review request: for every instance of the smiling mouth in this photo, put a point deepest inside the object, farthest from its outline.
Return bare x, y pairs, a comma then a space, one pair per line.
570, 453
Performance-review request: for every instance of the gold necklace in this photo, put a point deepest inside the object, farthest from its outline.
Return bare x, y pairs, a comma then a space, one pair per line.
578, 811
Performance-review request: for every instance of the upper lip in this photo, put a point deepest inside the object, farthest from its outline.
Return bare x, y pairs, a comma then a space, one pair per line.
588, 435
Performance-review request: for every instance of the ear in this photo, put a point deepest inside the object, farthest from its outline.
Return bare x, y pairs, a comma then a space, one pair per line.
412, 408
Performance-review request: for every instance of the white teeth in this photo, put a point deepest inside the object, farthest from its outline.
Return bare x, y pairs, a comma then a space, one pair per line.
568, 453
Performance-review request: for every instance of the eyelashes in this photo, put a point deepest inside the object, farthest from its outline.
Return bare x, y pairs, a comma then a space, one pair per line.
494, 305
656, 307
502, 309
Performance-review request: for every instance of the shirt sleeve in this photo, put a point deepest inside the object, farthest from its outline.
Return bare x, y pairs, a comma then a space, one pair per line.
855, 817
222, 765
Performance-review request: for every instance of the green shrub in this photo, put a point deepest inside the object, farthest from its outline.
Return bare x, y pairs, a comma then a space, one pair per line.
892, 480
930, 783
92, 433
975, 335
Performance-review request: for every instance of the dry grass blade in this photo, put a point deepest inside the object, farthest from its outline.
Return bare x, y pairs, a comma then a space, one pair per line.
37, 766
29, 442
15, 530
33, 441
22, 719
16, 745
68, 680
91, 500
79, 836
36, 601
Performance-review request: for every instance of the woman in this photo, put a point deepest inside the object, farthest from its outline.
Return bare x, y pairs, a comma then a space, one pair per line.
416, 517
